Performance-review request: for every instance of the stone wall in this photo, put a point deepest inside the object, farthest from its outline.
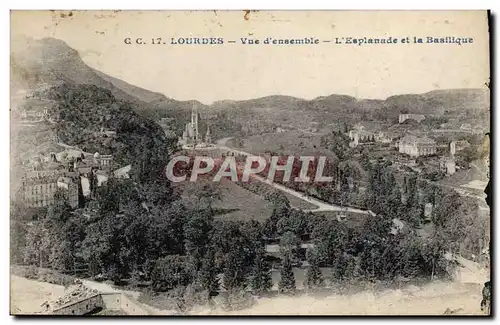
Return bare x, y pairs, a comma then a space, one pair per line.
82, 307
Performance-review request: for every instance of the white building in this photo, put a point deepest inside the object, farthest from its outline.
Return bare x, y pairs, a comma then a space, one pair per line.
417, 146
459, 145
191, 134
416, 117
360, 135
447, 165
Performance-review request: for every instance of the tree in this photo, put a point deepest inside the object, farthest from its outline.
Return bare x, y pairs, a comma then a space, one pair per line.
343, 267
314, 277
338, 143
281, 209
287, 281
156, 192
203, 193
17, 241
96, 247
197, 230
234, 271
253, 239
372, 243
260, 280
238, 142
294, 222
61, 257
433, 255
330, 238
108, 198
38, 245
469, 154
207, 279
105, 247
170, 272
290, 247
59, 211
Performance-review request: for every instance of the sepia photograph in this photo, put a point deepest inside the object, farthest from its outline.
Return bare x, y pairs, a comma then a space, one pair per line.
250, 163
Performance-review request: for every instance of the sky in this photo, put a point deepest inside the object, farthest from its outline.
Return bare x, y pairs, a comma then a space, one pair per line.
234, 71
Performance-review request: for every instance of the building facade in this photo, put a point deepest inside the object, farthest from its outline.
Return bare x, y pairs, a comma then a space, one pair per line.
191, 134
40, 191
459, 145
360, 135
416, 117
67, 174
447, 165
208, 135
382, 137
416, 146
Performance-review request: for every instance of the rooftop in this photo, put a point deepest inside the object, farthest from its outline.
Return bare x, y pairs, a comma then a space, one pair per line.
411, 139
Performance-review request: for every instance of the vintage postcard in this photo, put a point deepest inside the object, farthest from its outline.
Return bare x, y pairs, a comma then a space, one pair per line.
250, 163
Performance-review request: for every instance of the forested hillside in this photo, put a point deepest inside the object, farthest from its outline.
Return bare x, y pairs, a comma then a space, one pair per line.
83, 111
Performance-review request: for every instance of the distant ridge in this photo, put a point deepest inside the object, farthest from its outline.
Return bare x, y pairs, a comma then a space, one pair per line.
52, 61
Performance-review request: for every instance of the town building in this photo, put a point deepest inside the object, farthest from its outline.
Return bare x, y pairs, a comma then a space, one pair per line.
456, 146
383, 137
417, 146
93, 162
191, 134
70, 186
415, 117
191, 137
71, 171
428, 210
208, 136
69, 155
447, 165
359, 135
102, 161
32, 114
39, 191
123, 172
47, 177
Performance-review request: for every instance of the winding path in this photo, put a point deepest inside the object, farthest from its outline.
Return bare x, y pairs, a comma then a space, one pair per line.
321, 205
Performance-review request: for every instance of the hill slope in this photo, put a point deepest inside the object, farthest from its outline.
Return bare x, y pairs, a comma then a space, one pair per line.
52, 62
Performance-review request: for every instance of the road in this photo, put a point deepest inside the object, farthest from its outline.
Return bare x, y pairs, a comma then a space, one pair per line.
463, 191
321, 206
103, 287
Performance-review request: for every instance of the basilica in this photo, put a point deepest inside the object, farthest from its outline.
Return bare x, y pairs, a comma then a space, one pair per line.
191, 136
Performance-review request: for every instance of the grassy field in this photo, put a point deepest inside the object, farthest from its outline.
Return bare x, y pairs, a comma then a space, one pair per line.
288, 143
241, 204
298, 203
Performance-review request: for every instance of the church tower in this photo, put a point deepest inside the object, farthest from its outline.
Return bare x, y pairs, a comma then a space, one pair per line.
208, 137
194, 124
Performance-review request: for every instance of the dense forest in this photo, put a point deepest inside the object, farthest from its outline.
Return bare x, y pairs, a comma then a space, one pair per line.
83, 111
142, 233
139, 232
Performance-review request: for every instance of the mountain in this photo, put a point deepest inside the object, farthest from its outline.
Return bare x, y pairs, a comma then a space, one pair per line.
441, 101
142, 94
51, 61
